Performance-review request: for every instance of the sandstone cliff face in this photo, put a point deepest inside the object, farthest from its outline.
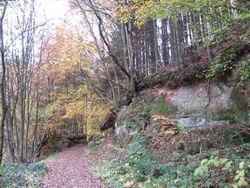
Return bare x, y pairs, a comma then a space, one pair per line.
204, 104
196, 104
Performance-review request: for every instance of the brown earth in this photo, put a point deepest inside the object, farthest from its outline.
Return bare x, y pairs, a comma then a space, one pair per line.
71, 169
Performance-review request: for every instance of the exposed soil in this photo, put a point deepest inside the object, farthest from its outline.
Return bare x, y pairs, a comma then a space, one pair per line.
70, 169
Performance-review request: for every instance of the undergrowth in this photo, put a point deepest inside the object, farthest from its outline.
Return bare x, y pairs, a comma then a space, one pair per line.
24, 175
95, 144
210, 157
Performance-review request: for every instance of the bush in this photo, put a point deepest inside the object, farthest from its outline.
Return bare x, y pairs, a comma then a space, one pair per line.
24, 175
222, 161
139, 166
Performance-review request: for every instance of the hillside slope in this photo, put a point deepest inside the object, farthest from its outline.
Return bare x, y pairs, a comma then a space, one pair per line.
187, 127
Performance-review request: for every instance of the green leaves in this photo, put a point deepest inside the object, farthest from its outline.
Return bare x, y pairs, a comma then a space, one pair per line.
22, 175
244, 68
240, 178
227, 165
217, 162
138, 166
244, 16
200, 171
240, 175
207, 164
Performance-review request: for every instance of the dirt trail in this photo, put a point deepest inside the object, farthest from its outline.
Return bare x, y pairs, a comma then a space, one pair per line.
70, 169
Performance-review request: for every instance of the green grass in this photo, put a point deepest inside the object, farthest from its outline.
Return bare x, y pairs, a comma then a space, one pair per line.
162, 107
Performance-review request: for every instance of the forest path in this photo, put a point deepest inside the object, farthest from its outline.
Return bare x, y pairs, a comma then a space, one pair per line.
70, 169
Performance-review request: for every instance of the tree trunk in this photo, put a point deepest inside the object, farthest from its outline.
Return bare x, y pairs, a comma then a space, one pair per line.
156, 49
3, 82
165, 42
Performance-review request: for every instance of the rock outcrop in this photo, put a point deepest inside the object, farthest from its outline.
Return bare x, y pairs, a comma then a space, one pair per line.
203, 104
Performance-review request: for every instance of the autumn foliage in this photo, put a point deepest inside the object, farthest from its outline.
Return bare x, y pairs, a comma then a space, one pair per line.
73, 106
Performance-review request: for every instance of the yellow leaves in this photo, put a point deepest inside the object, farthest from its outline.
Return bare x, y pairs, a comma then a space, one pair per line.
125, 12
97, 112
139, 10
74, 109
129, 183
241, 165
82, 91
